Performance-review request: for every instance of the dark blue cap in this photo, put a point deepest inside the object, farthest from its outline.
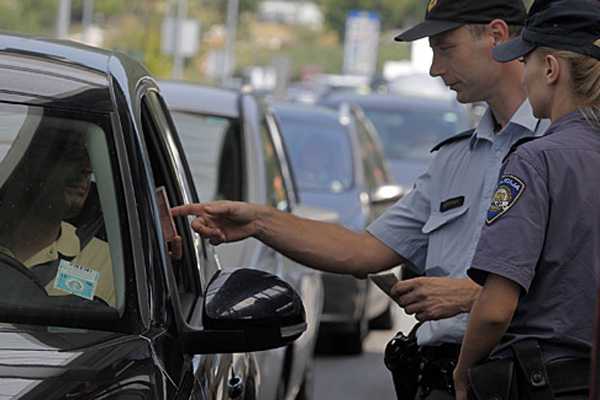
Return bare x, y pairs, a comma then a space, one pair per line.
444, 15
572, 25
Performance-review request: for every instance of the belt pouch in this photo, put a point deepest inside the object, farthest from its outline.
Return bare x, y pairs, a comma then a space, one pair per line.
493, 380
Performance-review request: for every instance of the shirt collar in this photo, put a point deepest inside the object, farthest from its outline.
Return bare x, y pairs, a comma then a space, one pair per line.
67, 244
523, 117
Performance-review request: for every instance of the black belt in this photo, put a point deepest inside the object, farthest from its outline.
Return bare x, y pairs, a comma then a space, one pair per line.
569, 376
442, 352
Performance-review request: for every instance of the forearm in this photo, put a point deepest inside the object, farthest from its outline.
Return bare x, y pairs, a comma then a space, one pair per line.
490, 317
324, 246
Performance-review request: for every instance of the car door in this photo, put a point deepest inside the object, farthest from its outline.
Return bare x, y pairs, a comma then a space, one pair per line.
275, 187
217, 376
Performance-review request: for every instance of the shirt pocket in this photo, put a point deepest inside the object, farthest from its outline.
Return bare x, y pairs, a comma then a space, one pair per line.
437, 220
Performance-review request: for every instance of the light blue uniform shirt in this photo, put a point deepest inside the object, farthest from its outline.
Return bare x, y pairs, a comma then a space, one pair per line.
436, 226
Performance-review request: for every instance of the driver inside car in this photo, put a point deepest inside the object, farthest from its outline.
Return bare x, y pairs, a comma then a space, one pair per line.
50, 185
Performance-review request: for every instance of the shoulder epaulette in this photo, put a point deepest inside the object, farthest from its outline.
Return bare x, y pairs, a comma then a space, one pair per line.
459, 136
518, 143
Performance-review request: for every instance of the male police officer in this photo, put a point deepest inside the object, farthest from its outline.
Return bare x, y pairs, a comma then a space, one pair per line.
434, 229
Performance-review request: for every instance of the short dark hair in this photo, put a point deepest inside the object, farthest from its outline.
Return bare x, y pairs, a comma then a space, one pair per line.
477, 30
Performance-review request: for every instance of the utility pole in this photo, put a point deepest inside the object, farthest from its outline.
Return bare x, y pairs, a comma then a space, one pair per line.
229, 56
63, 19
87, 20
178, 57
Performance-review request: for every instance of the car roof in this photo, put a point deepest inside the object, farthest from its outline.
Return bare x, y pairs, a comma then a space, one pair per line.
392, 101
307, 113
66, 74
194, 97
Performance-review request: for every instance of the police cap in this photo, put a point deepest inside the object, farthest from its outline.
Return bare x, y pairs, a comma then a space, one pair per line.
444, 15
558, 24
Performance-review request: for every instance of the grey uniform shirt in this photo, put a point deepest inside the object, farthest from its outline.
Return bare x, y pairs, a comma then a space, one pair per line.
436, 226
542, 231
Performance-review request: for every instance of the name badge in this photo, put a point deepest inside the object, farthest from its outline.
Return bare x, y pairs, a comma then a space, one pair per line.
77, 280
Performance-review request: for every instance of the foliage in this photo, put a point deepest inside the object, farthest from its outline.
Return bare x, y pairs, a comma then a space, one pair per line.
134, 26
28, 16
393, 13
244, 6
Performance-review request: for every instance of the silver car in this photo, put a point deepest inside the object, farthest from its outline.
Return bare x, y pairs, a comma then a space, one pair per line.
409, 127
339, 164
235, 152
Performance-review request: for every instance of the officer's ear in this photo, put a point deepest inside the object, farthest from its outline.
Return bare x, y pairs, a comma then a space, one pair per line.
552, 69
499, 31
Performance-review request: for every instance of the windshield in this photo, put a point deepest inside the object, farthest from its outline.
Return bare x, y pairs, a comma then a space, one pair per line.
321, 155
410, 135
60, 245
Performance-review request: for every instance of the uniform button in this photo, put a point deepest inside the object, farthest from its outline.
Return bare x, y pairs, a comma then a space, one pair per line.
422, 366
419, 378
498, 154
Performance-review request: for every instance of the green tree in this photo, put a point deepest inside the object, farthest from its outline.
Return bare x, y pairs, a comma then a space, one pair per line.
244, 6
393, 13
29, 16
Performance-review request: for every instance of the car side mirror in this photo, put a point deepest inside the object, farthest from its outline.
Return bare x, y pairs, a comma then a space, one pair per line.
387, 193
246, 310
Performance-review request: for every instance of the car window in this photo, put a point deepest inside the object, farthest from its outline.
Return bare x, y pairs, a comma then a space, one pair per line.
411, 134
60, 235
213, 149
321, 154
169, 172
373, 157
275, 185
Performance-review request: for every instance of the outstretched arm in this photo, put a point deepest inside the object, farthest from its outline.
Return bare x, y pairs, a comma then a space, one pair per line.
433, 298
489, 319
327, 247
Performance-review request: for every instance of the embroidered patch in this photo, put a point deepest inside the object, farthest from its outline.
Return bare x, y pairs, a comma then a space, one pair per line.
77, 280
507, 193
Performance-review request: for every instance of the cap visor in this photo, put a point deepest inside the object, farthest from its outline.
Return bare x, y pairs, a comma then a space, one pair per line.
426, 29
512, 50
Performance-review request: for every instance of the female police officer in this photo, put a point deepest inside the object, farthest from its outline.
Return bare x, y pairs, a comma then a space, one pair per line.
539, 252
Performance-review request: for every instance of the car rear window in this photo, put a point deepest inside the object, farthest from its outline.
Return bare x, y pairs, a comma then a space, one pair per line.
410, 135
320, 154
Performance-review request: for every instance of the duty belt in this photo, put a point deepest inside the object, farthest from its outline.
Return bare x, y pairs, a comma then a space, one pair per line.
436, 366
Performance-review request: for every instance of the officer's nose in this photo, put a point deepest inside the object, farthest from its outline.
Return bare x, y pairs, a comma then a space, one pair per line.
436, 68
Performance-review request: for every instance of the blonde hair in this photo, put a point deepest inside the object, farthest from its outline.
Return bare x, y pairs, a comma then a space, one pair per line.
585, 76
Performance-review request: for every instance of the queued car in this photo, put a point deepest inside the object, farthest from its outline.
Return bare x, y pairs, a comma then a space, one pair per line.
409, 127
93, 301
236, 152
339, 164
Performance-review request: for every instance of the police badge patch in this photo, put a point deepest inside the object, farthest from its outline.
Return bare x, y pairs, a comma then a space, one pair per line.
507, 193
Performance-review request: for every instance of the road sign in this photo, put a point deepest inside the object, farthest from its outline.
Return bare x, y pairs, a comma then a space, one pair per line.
361, 43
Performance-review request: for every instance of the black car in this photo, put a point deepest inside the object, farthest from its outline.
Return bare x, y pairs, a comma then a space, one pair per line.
235, 150
96, 301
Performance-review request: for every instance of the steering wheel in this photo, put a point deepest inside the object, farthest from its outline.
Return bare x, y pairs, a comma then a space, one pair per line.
16, 280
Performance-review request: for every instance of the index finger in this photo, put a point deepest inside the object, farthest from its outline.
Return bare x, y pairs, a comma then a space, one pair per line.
187, 209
